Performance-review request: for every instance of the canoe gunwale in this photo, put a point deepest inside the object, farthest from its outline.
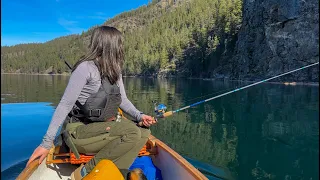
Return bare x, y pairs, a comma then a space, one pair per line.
27, 171
183, 162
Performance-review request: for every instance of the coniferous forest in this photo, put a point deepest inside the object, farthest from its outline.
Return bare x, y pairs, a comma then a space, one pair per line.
177, 37
233, 39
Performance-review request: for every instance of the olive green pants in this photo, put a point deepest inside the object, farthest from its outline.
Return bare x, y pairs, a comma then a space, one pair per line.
126, 140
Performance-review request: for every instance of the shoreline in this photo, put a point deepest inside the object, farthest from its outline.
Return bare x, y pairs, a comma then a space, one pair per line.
204, 79
64, 74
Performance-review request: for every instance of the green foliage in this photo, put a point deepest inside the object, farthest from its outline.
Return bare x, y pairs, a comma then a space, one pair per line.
171, 36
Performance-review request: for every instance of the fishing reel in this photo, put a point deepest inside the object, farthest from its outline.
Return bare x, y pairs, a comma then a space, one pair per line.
159, 109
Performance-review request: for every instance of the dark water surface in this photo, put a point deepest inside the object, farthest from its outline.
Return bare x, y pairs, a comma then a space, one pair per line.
270, 131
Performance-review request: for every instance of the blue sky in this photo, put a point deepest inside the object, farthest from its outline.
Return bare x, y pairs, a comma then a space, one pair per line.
27, 21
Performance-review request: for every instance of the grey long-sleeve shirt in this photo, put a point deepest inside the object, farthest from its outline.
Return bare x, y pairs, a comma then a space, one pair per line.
84, 81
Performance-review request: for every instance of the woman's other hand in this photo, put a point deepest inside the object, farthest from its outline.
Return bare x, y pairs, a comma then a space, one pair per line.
39, 152
147, 120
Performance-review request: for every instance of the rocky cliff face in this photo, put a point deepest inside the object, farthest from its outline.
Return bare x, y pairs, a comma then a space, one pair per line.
277, 36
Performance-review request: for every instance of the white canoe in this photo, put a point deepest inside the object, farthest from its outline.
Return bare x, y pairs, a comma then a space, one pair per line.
172, 166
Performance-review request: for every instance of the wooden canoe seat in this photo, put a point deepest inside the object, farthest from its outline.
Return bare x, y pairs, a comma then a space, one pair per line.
55, 155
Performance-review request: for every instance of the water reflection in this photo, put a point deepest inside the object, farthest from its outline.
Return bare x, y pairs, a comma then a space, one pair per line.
268, 131
32, 88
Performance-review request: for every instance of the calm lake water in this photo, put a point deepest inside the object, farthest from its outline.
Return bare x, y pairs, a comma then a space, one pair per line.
270, 131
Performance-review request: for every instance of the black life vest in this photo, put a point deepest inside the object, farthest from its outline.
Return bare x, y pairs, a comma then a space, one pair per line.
101, 105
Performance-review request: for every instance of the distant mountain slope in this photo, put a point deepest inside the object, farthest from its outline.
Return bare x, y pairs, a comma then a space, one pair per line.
196, 38
165, 36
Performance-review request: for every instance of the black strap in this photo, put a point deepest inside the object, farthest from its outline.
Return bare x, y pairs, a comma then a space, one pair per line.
93, 112
79, 105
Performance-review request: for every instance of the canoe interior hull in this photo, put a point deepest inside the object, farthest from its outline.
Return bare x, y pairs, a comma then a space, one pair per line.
172, 166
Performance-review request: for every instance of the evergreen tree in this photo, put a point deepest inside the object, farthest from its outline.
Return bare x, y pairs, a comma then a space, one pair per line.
176, 35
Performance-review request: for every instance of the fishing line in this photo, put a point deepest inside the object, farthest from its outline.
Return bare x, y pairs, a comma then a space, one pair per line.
160, 110
224, 90
201, 97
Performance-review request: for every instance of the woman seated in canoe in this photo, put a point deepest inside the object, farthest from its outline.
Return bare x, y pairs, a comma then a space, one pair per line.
91, 100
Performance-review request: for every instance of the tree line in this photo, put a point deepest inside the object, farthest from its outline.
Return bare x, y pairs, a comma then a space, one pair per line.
173, 37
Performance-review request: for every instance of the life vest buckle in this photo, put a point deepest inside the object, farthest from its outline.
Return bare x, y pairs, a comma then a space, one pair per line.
94, 112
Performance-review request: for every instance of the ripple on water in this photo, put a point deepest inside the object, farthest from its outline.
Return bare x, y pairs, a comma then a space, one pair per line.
7, 94
13, 172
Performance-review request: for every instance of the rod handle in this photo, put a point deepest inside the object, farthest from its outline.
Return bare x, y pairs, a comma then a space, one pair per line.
141, 124
167, 114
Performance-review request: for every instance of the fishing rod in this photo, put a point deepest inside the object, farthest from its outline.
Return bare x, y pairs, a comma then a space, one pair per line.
65, 62
68, 64
161, 108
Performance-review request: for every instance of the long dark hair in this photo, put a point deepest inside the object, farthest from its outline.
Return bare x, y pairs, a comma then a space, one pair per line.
106, 47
